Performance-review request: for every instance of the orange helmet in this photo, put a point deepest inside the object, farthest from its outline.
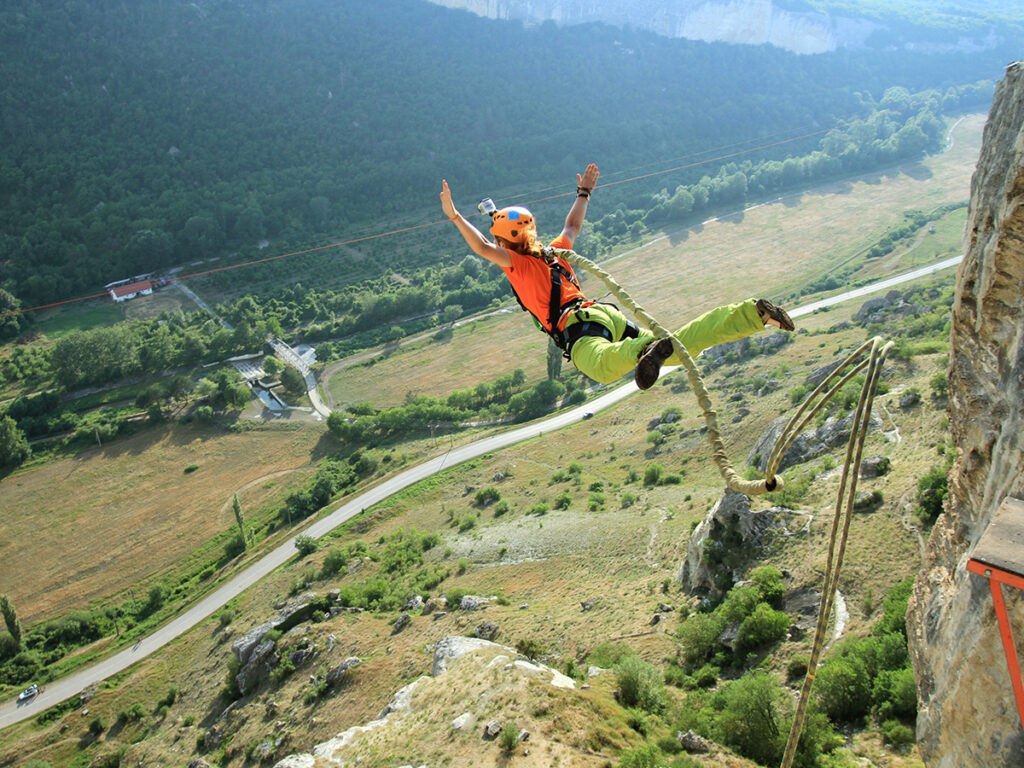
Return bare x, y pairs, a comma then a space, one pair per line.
512, 224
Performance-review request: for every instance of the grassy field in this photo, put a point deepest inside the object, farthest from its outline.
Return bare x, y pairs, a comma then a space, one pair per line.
112, 518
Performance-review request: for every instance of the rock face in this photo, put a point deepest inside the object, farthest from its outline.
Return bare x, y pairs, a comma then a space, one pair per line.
749, 22
967, 712
729, 537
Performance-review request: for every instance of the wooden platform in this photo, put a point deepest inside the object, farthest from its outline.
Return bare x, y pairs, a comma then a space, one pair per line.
1002, 544
999, 557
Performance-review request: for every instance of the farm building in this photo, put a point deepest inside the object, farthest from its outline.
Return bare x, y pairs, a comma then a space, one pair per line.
131, 290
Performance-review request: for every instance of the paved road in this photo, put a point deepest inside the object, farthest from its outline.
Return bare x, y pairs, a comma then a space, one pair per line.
59, 690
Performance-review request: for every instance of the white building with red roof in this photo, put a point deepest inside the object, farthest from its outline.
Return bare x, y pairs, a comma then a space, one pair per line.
131, 290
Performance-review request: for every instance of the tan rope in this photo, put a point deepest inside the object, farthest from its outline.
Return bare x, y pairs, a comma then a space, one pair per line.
837, 541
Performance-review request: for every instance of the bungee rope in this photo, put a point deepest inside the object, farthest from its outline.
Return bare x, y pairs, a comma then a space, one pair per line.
844, 508
876, 351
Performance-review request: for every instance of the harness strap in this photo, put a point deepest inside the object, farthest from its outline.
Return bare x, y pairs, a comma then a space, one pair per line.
575, 332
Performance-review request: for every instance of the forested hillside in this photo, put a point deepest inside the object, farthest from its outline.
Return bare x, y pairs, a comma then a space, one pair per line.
139, 136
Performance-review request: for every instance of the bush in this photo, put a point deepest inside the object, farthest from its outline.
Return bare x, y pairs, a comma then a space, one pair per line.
97, 726
931, 494
131, 714
699, 637
563, 500
225, 617
468, 522
896, 733
530, 648
748, 719
487, 496
501, 508
769, 583
762, 627
895, 693
509, 737
306, 545
335, 559
843, 689
637, 720
640, 685
642, 757
653, 474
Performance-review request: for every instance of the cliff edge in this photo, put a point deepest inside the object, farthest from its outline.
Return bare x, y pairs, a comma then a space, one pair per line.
967, 715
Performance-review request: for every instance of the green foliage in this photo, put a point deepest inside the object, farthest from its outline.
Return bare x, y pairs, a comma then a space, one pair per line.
563, 500
762, 627
530, 648
652, 474
843, 688
306, 545
931, 494
131, 714
768, 579
14, 448
640, 684
748, 718
11, 620
894, 608
896, 733
97, 726
486, 496
335, 559
508, 739
292, 380
641, 757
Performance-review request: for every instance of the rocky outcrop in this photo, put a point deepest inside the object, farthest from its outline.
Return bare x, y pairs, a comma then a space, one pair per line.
967, 714
727, 540
809, 444
466, 672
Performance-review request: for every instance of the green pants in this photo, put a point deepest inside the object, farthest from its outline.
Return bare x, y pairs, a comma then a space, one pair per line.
607, 361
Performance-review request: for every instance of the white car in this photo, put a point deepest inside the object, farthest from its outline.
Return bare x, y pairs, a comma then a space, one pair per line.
28, 693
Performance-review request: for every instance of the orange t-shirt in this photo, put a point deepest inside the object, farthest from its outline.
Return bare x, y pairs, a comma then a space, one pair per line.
531, 279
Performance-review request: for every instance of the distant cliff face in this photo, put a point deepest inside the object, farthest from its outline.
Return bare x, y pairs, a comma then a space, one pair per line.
751, 22
967, 712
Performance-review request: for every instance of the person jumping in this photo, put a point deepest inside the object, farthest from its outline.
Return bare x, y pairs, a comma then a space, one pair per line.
599, 340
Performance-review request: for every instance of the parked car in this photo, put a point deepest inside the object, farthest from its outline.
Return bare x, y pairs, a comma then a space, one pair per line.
28, 693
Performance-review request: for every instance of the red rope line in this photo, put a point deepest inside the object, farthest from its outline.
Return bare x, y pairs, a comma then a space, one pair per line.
427, 225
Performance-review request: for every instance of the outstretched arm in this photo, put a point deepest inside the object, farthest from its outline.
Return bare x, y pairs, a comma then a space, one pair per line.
474, 237
585, 185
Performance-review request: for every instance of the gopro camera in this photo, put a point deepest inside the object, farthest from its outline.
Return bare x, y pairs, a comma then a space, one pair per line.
487, 206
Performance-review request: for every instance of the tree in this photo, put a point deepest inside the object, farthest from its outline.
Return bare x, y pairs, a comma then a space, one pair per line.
554, 360
237, 507
306, 545
14, 447
11, 618
293, 380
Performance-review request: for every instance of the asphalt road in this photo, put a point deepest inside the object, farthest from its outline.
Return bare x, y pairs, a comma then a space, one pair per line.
57, 691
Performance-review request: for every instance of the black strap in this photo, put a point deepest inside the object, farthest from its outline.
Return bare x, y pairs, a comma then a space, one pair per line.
576, 331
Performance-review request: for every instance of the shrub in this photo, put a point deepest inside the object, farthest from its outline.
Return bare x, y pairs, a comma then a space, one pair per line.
540, 508
225, 616
608, 654
640, 685
748, 720
563, 500
896, 733
501, 508
931, 494
642, 757
796, 668
97, 726
699, 637
335, 559
468, 522
135, 712
306, 545
530, 648
653, 474
487, 496
895, 693
637, 720
843, 689
191, 468
763, 626
769, 583
509, 737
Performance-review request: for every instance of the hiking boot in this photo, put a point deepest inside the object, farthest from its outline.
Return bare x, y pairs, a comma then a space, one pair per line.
769, 312
651, 359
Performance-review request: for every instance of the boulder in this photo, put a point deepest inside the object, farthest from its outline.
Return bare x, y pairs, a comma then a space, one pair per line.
339, 673
488, 630
874, 466
464, 722
492, 729
401, 623
694, 744
474, 602
809, 444
725, 542
415, 603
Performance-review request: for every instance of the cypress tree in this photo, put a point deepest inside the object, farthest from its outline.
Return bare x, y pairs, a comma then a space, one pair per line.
11, 618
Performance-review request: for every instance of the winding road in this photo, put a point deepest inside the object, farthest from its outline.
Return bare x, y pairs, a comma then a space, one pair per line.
57, 691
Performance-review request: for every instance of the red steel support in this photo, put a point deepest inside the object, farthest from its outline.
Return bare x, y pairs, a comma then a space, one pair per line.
996, 578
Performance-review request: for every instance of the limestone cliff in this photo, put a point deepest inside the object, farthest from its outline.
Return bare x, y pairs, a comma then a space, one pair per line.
967, 712
747, 22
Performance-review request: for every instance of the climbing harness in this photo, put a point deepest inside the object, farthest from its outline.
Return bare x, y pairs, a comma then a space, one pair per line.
871, 355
